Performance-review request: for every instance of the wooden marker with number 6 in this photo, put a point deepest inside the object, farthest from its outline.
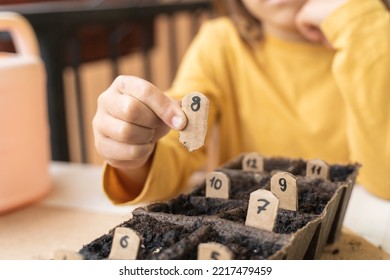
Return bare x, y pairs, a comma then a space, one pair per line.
125, 244
196, 107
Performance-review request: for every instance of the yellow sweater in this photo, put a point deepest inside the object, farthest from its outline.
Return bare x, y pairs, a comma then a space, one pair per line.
289, 99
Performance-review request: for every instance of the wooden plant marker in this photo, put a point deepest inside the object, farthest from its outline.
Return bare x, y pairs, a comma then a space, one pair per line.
317, 168
284, 186
196, 107
253, 162
262, 210
125, 244
67, 255
217, 185
214, 251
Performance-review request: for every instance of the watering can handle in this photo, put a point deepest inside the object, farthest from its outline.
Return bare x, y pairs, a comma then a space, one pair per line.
21, 31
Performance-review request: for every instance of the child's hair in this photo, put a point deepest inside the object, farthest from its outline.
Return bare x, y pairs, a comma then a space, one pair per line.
247, 25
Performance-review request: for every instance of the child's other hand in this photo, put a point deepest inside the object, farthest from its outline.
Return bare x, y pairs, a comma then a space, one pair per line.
132, 115
311, 16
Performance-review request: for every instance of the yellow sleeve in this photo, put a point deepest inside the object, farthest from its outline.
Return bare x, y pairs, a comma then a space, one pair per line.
172, 164
360, 33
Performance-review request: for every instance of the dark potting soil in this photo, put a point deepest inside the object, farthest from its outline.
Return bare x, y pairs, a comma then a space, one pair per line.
243, 247
155, 235
297, 167
164, 240
241, 183
286, 221
195, 205
313, 195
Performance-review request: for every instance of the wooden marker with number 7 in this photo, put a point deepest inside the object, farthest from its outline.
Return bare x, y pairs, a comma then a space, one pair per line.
196, 107
262, 210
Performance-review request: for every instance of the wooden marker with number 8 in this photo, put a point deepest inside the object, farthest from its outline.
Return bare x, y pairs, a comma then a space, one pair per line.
196, 107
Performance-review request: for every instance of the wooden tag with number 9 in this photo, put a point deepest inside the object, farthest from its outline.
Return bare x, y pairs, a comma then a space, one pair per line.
125, 244
284, 186
196, 107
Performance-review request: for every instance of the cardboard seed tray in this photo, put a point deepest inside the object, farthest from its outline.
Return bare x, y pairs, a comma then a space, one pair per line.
174, 229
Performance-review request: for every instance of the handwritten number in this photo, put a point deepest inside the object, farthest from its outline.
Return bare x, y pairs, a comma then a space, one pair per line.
315, 169
283, 184
262, 207
216, 183
214, 255
123, 242
195, 105
251, 163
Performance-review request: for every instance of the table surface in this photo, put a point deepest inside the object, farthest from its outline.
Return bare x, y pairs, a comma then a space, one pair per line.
76, 212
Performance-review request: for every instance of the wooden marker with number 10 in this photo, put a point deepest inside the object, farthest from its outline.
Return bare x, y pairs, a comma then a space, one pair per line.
217, 185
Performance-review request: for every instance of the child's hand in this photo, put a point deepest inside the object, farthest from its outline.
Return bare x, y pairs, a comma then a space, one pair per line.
132, 115
311, 16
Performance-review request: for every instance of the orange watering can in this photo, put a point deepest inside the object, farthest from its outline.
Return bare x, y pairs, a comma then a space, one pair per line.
24, 129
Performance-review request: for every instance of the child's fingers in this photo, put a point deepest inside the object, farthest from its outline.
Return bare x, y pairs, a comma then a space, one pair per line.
129, 109
124, 132
312, 14
122, 155
165, 108
308, 21
311, 32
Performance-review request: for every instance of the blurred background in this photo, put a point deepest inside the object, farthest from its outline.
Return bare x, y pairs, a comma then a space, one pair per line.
85, 44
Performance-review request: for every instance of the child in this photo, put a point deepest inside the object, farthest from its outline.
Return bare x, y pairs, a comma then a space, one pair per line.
293, 78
